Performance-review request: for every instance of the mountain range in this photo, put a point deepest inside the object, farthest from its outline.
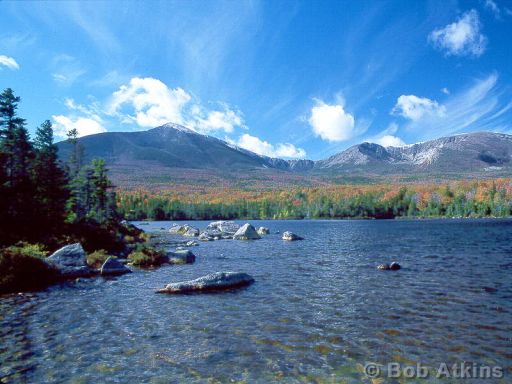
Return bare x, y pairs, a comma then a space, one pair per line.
173, 153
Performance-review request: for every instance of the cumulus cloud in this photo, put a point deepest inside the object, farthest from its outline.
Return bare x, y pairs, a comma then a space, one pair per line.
445, 90
332, 122
85, 126
390, 141
414, 108
8, 62
261, 147
149, 102
461, 38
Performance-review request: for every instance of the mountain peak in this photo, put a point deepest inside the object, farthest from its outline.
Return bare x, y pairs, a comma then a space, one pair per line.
176, 127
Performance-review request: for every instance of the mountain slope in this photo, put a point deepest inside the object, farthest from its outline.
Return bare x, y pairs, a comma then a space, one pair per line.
466, 153
174, 154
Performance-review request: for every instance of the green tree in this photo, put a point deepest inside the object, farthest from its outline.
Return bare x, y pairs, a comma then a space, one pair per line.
50, 179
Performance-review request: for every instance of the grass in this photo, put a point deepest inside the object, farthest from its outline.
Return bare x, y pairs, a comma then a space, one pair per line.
97, 258
145, 256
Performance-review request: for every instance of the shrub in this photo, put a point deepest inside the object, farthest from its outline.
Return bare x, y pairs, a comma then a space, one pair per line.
97, 258
145, 257
22, 268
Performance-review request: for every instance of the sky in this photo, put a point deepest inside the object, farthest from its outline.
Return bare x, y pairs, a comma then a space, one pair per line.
290, 79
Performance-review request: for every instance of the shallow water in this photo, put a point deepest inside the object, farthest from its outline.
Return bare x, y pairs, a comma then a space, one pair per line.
318, 312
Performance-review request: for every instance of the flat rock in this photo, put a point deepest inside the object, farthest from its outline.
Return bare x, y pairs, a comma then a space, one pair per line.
290, 236
181, 256
213, 282
246, 232
112, 267
71, 261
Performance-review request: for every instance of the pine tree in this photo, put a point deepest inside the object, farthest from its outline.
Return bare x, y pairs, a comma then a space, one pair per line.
50, 180
18, 154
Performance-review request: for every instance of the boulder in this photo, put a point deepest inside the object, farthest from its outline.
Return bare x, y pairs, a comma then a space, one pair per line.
191, 243
71, 261
112, 267
205, 237
177, 229
224, 227
191, 232
263, 231
212, 282
246, 232
290, 236
181, 256
394, 266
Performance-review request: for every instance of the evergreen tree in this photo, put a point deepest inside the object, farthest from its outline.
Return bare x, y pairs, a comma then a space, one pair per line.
18, 154
50, 180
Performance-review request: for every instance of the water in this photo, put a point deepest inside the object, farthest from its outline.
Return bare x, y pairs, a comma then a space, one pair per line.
318, 312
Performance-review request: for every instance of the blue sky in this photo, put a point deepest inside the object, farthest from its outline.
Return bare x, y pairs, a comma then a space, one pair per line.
282, 78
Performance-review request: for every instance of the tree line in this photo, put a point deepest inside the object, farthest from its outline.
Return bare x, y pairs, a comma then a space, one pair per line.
45, 200
487, 198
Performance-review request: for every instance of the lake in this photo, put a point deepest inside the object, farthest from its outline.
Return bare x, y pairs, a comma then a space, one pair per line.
317, 313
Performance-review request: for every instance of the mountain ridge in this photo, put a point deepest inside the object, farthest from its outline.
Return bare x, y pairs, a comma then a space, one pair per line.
172, 147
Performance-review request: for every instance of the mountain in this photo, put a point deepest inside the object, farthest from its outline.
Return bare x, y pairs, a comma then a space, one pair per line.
174, 154
465, 153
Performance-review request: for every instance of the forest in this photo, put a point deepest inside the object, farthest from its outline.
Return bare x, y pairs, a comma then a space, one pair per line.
474, 198
46, 203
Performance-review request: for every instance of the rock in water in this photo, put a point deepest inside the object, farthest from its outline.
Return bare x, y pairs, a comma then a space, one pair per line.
191, 232
246, 232
212, 282
394, 266
290, 236
181, 257
205, 237
176, 229
263, 231
224, 227
71, 261
112, 267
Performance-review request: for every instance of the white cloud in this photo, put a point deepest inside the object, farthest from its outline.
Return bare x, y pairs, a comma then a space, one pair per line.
390, 141
462, 37
478, 107
149, 102
152, 102
261, 147
84, 126
445, 90
8, 62
414, 107
332, 122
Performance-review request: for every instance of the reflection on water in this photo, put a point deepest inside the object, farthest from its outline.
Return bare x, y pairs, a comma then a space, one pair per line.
319, 309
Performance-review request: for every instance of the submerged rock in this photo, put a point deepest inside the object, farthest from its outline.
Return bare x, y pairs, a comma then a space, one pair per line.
246, 232
263, 231
112, 267
212, 282
191, 243
181, 256
71, 261
290, 236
